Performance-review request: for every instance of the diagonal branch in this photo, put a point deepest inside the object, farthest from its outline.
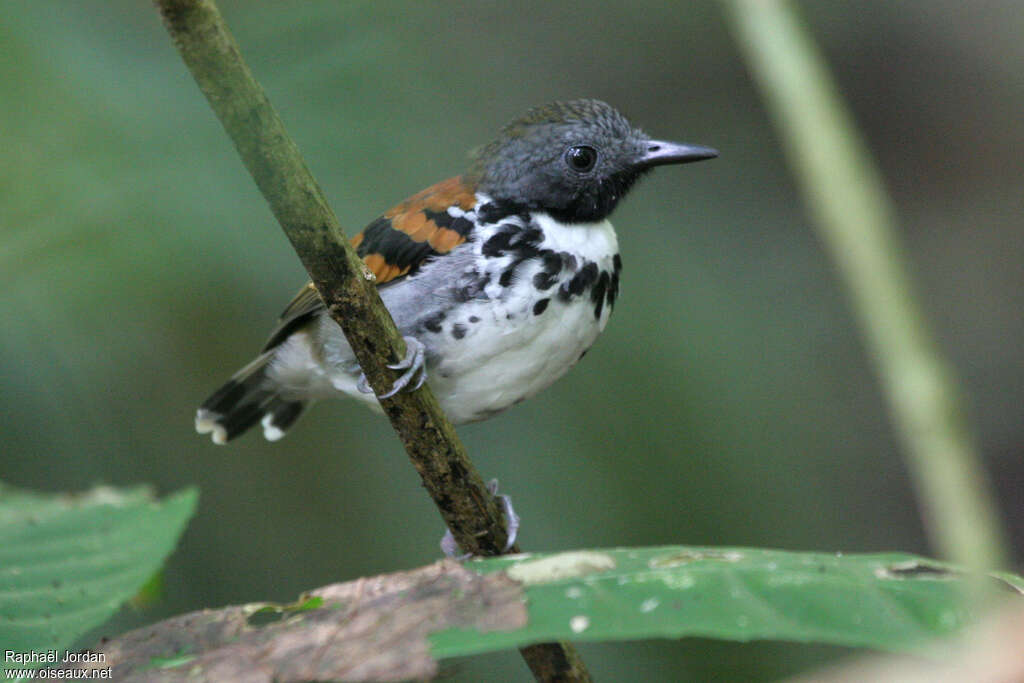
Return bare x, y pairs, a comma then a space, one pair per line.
347, 288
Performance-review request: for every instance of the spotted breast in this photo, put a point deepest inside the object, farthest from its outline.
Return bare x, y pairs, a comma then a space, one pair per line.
507, 311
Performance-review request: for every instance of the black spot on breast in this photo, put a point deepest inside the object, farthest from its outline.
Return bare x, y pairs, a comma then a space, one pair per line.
544, 280
458, 330
600, 287
551, 266
541, 306
509, 273
528, 237
579, 283
613, 289
613, 285
433, 323
513, 240
597, 295
494, 211
497, 244
516, 242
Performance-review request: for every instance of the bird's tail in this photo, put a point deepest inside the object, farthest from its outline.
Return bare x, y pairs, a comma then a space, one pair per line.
247, 398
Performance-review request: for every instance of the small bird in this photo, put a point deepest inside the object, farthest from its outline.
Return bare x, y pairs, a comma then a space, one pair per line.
499, 279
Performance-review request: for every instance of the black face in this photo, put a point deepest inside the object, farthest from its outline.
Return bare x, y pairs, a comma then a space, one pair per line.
574, 160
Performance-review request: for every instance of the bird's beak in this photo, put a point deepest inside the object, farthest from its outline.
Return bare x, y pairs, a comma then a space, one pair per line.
660, 152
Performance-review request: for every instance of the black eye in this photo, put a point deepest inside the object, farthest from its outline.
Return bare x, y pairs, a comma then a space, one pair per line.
581, 158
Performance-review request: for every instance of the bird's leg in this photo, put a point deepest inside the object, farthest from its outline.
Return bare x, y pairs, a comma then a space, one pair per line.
414, 364
448, 545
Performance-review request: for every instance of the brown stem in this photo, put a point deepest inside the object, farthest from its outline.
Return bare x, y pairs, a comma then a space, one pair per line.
348, 289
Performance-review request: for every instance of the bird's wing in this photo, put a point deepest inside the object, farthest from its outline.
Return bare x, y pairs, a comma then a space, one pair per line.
419, 228
302, 309
424, 226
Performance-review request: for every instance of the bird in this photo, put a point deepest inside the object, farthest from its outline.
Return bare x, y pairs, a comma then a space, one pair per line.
499, 279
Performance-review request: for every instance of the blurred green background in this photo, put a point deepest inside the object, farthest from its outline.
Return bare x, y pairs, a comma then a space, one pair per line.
730, 400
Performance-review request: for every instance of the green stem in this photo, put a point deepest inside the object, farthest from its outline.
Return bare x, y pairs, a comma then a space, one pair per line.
857, 224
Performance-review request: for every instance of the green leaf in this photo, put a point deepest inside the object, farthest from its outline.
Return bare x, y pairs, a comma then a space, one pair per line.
887, 601
396, 626
67, 562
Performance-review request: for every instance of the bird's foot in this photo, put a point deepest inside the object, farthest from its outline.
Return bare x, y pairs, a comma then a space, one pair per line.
448, 545
414, 364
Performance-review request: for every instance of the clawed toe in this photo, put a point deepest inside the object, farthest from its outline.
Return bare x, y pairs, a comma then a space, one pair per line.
414, 351
510, 514
414, 365
448, 545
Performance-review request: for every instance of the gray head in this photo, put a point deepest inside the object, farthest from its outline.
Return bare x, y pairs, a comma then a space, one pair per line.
574, 160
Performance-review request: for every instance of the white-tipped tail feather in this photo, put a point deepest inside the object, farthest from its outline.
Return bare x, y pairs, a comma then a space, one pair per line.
206, 423
248, 398
270, 431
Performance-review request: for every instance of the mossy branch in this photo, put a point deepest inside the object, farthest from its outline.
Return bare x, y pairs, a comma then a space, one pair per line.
857, 224
347, 288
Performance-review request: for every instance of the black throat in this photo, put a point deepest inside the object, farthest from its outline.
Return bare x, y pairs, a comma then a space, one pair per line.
589, 204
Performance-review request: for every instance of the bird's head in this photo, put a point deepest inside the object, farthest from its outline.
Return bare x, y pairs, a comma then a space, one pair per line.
574, 160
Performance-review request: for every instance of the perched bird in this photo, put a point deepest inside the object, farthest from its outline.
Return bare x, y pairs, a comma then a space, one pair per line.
499, 279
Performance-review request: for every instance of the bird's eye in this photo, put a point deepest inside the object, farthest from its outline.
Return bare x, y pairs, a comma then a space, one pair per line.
581, 158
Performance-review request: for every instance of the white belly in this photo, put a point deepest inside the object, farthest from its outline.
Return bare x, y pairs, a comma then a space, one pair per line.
512, 354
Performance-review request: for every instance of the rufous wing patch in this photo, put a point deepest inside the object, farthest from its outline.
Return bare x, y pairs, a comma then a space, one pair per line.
419, 228
437, 198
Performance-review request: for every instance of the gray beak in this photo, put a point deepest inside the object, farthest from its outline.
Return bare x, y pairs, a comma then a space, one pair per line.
660, 152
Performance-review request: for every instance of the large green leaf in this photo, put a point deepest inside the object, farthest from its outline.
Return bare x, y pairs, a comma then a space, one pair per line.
67, 562
396, 626
885, 601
